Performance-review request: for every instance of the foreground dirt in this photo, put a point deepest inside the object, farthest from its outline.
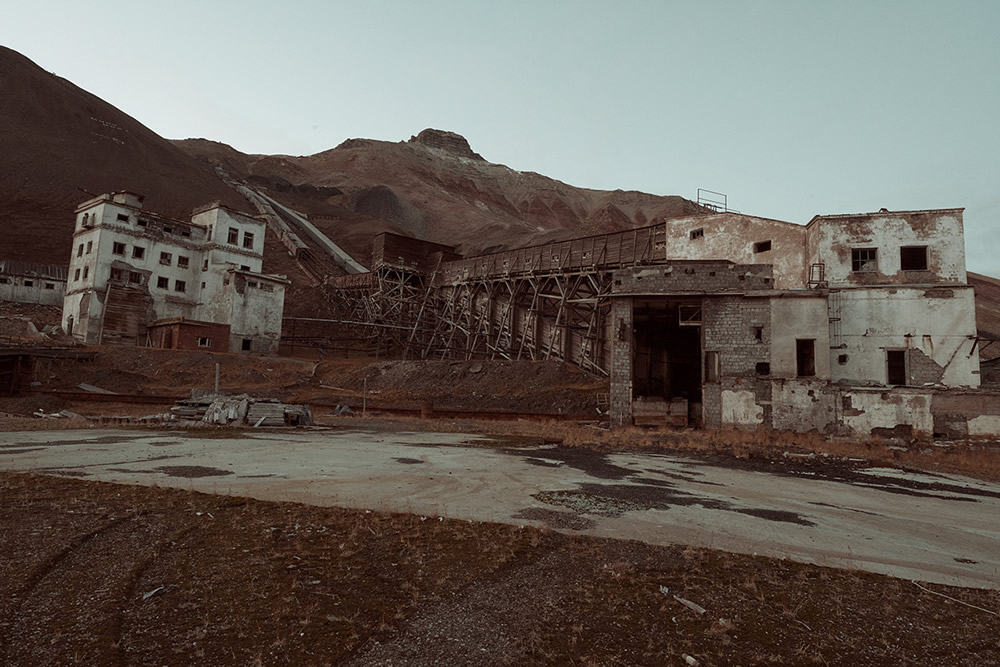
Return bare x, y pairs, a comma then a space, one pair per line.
108, 574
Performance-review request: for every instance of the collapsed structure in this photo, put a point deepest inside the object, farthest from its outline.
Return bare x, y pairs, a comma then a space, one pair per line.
139, 278
851, 322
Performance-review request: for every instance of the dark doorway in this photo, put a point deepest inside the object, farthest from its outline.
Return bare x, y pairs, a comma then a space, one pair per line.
667, 352
895, 366
805, 357
246, 344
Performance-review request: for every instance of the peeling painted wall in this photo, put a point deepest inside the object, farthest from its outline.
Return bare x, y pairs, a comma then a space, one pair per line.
795, 317
866, 411
740, 409
940, 330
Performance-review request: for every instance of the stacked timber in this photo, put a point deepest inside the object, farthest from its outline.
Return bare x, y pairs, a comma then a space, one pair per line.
266, 413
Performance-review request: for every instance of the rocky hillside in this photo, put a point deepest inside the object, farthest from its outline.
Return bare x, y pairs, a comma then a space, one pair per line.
58, 143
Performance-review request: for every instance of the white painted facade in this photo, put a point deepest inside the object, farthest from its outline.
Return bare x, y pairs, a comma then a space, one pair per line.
191, 269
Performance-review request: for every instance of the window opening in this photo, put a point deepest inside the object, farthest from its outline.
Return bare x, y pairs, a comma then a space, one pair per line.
165, 258
90, 246
248, 240
135, 277
79, 251
763, 368
141, 222
758, 334
697, 233
761, 246
138, 252
246, 344
163, 282
913, 258
86, 272
123, 217
864, 259
117, 274
204, 342
182, 261
180, 286
31, 283
50, 286
76, 275
234, 235
118, 248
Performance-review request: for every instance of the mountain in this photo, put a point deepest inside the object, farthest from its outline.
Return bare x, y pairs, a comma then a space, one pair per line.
57, 139
435, 187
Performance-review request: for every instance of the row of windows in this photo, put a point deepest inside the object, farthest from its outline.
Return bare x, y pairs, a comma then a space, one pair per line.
234, 238
142, 222
911, 258
79, 250
27, 283
167, 259
758, 247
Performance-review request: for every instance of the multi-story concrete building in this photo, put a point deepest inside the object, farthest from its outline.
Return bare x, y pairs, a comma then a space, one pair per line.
25, 282
139, 278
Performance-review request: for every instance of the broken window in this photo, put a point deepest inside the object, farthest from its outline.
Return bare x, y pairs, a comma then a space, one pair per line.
162, 282
761, 246
248, 240
50, 286
711, 367
234, 235
166, 258
79, 251
204, 342
180, 286
689, 316
864, 259
90, 246
913, 258
117, 274
31, 283
123, 217
138, 252
182, 262
805, 357
244, 267
118, 248
86, 271
135, 277
697, 233
141, 222
168, 230
895, 367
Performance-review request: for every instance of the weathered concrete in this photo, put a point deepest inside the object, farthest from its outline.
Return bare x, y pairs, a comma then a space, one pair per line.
907, 525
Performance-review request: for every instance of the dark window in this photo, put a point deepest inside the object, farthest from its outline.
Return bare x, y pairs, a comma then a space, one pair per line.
913, 258
204, 265
168, 230
180, 286
4, 281
697, 233
842, 359
761, 246
182, 261
204, 342
763, 368
805, 357
895, 366
234, 235
117, 274
248, 240
76, 275
31, 283
123, 217
251, 283
90, 246
758, 334
186, 233
138, 252
246, 344
79, 251
118, 248
50, 286
244, 267
162, 282
86, 271
165, 258
135, 277
141, 222
689, 316
864, 259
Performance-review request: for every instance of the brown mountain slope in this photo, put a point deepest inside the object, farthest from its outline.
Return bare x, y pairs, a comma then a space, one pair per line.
435, 187
56, 139
987, 312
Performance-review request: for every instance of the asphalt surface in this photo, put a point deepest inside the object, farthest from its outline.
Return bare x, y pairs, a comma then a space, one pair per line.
927, 527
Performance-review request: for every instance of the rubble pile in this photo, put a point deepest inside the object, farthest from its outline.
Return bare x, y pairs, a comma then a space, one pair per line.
216, 409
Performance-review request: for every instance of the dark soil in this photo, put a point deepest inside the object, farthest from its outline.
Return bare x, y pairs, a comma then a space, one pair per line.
108, 574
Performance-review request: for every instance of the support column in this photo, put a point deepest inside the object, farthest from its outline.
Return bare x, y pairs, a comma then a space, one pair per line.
620, 398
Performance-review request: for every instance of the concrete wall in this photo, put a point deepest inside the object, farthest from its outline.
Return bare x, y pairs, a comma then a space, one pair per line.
731, 236
832, 238
795, 317
256, 312
936, 326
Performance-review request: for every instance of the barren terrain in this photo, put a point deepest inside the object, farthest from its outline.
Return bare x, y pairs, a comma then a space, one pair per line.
100, 573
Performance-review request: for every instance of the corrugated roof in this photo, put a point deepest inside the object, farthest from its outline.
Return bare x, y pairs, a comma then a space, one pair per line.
12, 267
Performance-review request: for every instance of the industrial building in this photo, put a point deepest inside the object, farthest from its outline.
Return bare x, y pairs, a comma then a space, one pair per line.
27, 282
139, 278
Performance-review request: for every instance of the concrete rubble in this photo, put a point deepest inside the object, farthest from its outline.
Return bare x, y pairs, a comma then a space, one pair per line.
238, 410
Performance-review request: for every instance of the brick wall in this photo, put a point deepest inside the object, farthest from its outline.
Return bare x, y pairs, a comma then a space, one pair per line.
729, 324
698, 277
620, 398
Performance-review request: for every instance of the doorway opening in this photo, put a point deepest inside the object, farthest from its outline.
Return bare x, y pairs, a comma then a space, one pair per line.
667, 361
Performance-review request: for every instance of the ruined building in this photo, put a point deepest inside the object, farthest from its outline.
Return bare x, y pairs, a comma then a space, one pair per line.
139, 278
851, 323
26, 282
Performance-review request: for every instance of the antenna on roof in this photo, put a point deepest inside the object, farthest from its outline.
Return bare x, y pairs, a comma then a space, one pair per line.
715, 201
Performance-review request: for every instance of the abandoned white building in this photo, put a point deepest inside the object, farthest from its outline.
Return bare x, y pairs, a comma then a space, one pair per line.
852, 322
26, 282
139, 278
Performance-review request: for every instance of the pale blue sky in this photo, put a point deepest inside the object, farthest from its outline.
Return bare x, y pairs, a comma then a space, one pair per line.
791, 108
